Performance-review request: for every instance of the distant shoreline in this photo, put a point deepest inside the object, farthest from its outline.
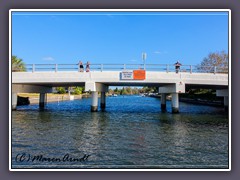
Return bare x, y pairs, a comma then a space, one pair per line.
34, 99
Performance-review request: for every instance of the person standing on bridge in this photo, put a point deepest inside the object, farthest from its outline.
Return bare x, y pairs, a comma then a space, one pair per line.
88, 67
81, 68
177, 66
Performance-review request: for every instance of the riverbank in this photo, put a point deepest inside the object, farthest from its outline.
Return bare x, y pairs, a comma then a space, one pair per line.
198, 101
50, 97
202, 102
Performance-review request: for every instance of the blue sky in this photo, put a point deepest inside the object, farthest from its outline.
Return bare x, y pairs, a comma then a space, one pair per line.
118, 37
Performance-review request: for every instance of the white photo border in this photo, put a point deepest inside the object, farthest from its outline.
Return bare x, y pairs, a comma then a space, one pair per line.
117, 10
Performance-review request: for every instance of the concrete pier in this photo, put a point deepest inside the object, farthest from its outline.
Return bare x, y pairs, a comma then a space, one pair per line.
103, 100
224, 93
163, 102
14, 101
226, 103
174, 90
94, 105
42, 100
175, 103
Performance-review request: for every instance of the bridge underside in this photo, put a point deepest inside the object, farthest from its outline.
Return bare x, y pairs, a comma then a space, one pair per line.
188, 86
197, 86
164, 88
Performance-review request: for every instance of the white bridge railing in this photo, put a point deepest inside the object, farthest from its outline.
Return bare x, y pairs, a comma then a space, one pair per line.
121, 67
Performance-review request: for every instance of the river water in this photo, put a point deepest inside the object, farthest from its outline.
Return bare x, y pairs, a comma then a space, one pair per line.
131, 133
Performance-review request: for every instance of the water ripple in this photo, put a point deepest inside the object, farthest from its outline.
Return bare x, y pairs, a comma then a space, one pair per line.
132, 132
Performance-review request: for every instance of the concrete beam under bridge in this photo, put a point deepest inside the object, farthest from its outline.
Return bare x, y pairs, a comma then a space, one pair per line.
24, 88
222, 92
93, 86
173, 88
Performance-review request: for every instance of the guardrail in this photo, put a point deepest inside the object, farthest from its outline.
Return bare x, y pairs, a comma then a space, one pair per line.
121, 67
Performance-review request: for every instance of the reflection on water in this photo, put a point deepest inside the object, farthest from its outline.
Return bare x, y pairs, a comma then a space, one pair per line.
131, 133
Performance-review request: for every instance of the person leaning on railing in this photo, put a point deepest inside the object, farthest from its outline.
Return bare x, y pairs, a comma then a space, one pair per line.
81, 68
88, 67
177, 66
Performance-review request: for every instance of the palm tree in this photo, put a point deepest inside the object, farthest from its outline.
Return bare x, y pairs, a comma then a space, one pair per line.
18, 64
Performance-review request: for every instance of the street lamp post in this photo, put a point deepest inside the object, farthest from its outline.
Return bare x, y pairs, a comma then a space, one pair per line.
144, 57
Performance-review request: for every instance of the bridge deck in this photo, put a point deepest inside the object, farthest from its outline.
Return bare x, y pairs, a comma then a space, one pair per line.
67, 78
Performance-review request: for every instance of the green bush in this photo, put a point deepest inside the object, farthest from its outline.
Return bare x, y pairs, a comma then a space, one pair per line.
78, 90
61, 90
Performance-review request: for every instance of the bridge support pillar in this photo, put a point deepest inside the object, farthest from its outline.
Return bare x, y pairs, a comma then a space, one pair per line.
94, 105
175, 103
224, 93
14, 101
226, 103
174, 89
42, 100
103, 100
163, 101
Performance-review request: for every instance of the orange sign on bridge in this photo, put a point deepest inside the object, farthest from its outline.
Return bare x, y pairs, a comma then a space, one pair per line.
139, 74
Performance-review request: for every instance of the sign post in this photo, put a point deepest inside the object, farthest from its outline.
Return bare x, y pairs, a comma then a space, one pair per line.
144, 57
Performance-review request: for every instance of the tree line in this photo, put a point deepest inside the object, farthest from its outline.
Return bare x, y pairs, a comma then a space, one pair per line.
133, 90
119, 91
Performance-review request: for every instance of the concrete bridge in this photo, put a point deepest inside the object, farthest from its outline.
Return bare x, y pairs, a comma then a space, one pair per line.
41, 78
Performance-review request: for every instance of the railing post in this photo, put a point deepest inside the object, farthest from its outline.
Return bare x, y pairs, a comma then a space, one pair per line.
215, 69
56, 66
33, 67
101, 67
124, 66
191, 69
167, 69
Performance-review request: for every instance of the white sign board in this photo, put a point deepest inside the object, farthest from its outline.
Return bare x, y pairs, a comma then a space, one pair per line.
127, 75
